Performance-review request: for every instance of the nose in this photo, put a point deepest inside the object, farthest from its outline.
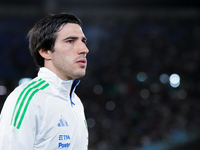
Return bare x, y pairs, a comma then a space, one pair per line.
83, 48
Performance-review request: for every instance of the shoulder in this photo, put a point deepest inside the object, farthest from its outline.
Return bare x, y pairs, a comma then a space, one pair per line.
30, 92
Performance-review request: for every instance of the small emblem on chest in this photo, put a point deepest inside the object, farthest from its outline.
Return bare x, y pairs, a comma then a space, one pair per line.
62, 122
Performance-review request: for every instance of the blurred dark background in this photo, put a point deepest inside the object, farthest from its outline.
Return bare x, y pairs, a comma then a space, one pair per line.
130, 101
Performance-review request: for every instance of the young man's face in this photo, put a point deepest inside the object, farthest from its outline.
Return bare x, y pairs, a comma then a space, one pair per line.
68, 60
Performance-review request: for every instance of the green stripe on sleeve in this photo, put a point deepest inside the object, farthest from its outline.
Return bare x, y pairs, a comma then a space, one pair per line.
20, 98
22, 111
26, 106
23, 100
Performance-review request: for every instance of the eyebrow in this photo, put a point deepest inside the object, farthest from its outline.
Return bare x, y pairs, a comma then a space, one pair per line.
74, 38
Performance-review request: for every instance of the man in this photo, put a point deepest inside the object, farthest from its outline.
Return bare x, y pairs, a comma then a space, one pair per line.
46, 114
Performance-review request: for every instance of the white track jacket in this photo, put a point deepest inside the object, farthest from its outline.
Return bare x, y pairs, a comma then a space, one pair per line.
44, 114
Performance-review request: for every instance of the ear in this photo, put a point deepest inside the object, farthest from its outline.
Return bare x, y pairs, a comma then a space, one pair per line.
46, 54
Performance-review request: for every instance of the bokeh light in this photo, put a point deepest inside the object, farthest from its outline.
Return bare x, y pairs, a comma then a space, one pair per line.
24, 80
98, 89
141, 76
91, 122
3, 90
110, 105
164, 78
174, 80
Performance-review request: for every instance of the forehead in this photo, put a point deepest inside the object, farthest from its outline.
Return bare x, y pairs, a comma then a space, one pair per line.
70, 29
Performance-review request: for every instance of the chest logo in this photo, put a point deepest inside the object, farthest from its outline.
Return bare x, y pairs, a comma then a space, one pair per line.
62, 122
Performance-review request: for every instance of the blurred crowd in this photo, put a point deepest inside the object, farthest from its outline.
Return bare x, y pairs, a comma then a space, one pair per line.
123, 112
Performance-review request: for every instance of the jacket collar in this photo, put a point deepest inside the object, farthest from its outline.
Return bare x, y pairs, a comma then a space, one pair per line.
66, 87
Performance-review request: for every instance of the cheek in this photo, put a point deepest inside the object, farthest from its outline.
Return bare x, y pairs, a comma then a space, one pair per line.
65, 60
63, 57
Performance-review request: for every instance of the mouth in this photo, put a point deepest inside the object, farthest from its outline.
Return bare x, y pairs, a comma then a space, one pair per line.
82, 62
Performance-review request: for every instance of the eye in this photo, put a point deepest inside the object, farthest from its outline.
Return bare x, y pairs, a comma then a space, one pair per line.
70, 41
84, 41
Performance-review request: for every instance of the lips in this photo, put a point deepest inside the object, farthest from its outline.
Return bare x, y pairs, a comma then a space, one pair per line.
82, 62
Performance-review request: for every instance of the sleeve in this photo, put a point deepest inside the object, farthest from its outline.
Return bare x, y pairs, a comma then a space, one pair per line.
17, 124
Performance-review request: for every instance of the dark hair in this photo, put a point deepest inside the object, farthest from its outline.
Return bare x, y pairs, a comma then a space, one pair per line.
43, 34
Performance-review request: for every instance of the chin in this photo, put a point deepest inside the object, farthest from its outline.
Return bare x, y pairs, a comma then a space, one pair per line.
80, 74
